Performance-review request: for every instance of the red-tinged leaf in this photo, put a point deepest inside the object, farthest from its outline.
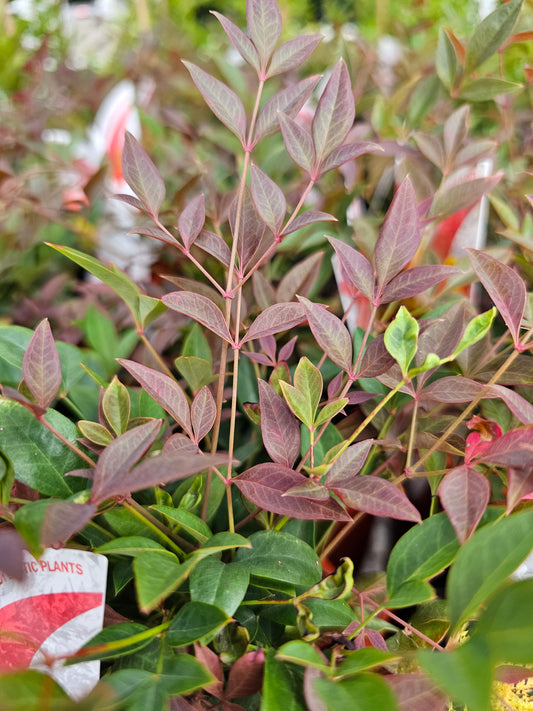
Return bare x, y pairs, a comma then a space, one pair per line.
192, 220
452, 389
378, 497
251, 231
268, 199
130, 200
359, 396
199, 308
292, 53
279, 427
288, 101
265, 484
416, 280
163, 390
416, 691
348, 151
41, 367
286, 350
214, 245
376, 359
279, 317
119, 457
521, 408
141, 175
455, 130
512, 449
12, 546
310, 217
264, 23
62, 520
268, 346
212, 663
222, 100
443, 334
156, 232
334, 114
180, 444
240, 40
203, 413
298, 142
464, 494
330, 333
519, 485
246, 675
399, 237
300, 279
355, 267
349, 463
458, 196
504, 286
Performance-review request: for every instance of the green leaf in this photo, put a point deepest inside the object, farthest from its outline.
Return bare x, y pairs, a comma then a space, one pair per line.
401, 338
475, 330
95, 432
361, 660
491, 33
487, 88
30, 691
298, 403
329, 411
412, 592
101, 335
303, 654
220, 584
282, 686
13, 343
367, 691
186, 522
182, 674
196, 371
29, 522
485, 562
130, 546
116, 406
446, 59
116, 641
308, 380
157, 575
220, 542
194, 622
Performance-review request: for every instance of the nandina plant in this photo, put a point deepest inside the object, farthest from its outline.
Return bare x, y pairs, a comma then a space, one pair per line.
229, 477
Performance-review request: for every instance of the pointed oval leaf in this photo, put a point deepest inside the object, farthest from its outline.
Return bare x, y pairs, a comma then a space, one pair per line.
455, 130
192, 220
488, 88
203, 413
459, 196
348, 151
222, 100
116, 406
279, 317
292, 53
334, 114
355, 266
62, 520
446, 59
279, 427
163, 390
265, 485
512, 449
298, 142
491, 33
41, 367
464, 494
330, 333
288, 101
268, 199
521, 408
214, 245
376, 359
251, 231
141, 175
349, 463
309, 217
416, 280
378, 497
264, 23
240, 40
201, 309
401, 338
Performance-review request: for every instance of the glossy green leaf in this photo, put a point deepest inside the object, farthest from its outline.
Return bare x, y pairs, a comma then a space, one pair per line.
412, 592
13, 343
194, 622
157, 575
401, 338
308, 381
30, 690
221, 584
130, 546
115, 641
303, 654
282, 686
367, 691
95, 432
116, 406
223, 541
361, 660
475, 330
185, 522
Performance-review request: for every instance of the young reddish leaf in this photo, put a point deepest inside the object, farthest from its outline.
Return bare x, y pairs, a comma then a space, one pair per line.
265, 484
330, 333
163, 390
12, 546
264, 23
291, 54
464, 494
334, 114
110, 473
214, 245
41, 367
155, 232
268, 199
131, 200
431, 147
288, 101
203, 413
349, 463
308, 218
279, 317
519, 485
512, 449
376, 359
286, 350
12, 394
416, 280
252, 229
62, 519
222, 100
452, 388
268, 346
246, 675
279, 427
376, 496
298, 142
504, 286
212, 663
355, 266
192, 220
240, 40
300, 279
141, 175
399, 237
348, 151
199, 308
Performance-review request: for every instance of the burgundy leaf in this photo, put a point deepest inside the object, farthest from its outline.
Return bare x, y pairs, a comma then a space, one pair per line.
141, 175
203, 413
300, 279
268, 346
268, 199
179, 444
400, 235
519, 484
453, 388
163, 390
279, 427
252, 228
131, 200
292, 53
378, 497
111, 471
156, 232
265, 484
464, 494
376, 359
192, 220
264, 23
521, 408
349, 463
260, 358
246, 675
222, 100
214, 245
334, 114
62, 519
240, 40
11, 553
359, 396
442, 334
330, 333
416, 691
199, 308
285, 351
298, 142
196, 287
458, 196
355, 266
309, 217
279, 317
348, 151
288, 101
41, 367
212, 663
416, 280
512, 449
504, 286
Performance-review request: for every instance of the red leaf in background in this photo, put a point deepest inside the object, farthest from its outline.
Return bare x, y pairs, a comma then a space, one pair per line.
279, 427
330, 333
246, 675
191, 220
512, 449
141, 175
41, 367
199, 308
464, 494
203, 413
416, 692
376, 496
